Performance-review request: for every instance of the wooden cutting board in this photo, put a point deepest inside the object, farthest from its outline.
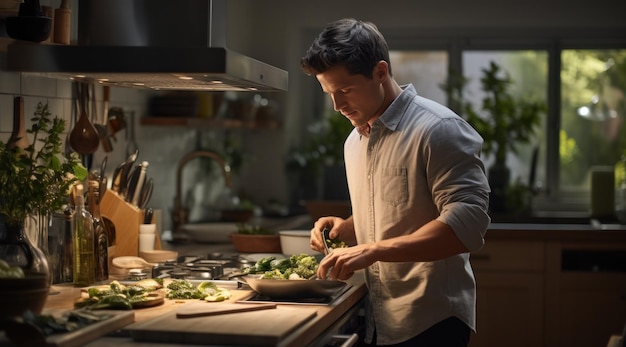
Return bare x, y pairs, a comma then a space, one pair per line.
263, 327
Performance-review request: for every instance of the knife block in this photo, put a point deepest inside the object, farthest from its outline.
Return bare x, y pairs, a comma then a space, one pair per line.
126, 219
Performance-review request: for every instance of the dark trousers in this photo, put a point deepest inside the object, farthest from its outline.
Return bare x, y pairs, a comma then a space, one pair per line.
450, 332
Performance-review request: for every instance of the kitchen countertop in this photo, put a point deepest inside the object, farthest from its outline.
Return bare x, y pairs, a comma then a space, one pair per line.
591, 232
324, 317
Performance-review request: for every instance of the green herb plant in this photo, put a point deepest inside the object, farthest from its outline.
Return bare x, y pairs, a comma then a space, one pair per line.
37, 179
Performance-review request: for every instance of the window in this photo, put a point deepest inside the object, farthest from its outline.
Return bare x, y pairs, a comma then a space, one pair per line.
582, 81
425, 69
592, 131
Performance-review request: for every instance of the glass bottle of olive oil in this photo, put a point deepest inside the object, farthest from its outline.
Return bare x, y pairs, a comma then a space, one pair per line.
84, 241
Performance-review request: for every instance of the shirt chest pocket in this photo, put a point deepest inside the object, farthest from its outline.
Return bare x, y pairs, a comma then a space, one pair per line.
395, 190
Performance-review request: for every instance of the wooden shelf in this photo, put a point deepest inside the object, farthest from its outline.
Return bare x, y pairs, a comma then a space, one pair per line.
210, 123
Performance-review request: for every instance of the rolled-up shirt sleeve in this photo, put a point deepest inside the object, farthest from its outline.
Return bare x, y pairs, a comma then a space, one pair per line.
458, 182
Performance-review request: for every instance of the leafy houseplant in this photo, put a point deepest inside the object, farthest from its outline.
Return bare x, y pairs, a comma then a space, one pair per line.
504, 122
36, 181
320, 158
33, 182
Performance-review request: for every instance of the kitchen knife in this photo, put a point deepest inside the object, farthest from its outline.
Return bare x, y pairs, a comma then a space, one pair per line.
115, 178
146, 193
143, 167
326, 237
125, 172
132, 183
147, 218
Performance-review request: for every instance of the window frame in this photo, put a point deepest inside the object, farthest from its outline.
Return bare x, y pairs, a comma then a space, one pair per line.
551, 40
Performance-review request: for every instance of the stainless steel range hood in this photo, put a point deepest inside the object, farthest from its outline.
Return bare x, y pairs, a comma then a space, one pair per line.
152, 44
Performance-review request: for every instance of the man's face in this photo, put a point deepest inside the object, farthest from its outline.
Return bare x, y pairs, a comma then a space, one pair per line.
357, 97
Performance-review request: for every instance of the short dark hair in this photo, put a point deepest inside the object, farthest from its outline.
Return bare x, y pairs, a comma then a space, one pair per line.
357, 45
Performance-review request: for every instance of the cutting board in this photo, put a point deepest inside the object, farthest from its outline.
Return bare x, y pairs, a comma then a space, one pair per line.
91, 332
263, 327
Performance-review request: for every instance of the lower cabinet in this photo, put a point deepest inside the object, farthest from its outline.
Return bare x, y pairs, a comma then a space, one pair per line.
509, 310
586, 293
510, 294
550, 293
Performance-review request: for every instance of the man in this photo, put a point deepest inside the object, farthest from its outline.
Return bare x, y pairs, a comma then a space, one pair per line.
418, 191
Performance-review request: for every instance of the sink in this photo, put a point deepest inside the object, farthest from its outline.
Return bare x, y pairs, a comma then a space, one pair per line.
209, 232
217, 232
541, 220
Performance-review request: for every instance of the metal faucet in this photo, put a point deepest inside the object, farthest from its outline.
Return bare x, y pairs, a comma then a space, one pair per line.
180, 213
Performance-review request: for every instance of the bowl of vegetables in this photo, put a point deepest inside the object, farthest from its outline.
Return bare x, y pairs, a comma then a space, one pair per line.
293, 277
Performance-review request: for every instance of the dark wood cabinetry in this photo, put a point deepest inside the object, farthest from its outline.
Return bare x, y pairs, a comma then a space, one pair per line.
550, 288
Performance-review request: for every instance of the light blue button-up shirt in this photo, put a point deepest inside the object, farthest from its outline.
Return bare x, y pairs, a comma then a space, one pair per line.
421, 162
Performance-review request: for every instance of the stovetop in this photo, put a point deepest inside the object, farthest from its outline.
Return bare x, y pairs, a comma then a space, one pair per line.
219, 269
200, 267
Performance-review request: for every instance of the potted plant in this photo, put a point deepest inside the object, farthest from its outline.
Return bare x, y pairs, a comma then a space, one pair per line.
504, 122
255, 239
34, 180
318, 165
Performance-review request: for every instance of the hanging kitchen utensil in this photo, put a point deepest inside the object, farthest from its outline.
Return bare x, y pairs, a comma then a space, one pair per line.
101, 124
68, 147
131, 144
116, 121
84, 138
19, 125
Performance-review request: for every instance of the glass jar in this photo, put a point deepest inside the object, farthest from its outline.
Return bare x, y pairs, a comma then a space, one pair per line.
18, 250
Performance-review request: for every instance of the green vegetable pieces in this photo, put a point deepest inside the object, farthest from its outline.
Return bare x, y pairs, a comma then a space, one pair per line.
208, 291
301, 266
115, 296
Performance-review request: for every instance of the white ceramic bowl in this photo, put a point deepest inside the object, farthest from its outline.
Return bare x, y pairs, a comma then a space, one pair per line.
296, 242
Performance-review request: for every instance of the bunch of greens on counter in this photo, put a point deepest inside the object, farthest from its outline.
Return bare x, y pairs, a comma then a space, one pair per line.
296, 267
118, 296
208, 291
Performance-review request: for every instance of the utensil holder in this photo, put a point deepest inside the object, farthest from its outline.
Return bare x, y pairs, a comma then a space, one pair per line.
126, 218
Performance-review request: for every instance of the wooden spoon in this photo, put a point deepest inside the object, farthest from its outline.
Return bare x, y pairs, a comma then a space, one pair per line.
84, 138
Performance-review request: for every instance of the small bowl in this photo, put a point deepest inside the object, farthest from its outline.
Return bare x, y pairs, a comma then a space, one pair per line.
18, 295
158, 255
256, 243
296, 242
29, 28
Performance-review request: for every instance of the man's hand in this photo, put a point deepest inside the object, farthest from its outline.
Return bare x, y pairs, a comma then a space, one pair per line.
341, 263
342, 229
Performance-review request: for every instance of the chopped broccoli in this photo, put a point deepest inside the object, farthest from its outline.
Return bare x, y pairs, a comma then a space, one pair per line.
300, 266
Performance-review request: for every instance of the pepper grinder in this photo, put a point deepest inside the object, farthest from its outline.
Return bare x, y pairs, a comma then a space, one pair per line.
62, 21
